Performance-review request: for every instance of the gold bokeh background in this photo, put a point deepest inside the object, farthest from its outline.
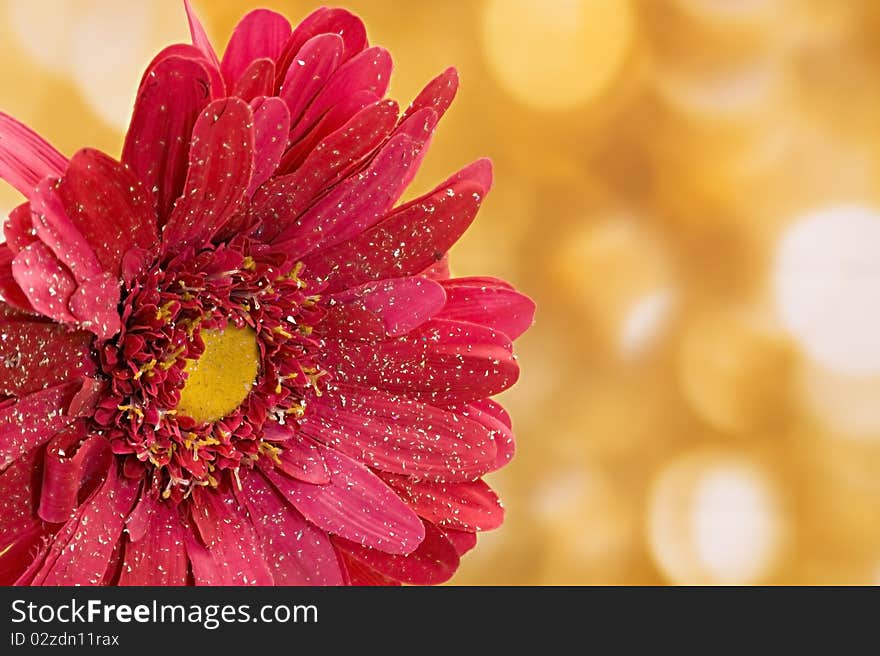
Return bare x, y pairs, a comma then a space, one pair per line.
690, 189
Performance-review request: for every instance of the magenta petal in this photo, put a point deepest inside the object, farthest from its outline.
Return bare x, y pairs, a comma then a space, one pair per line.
258, 79
10, 292
441, 361
221, 163
368, 71
299, 456
35, 355
217, 88
21, 529
271, 126
199, 36
31, 421
309, 71
399, 435
434, 562
261, 33
232, 555
94, 304
405, 243
284, 198
489, 303
106, 204
471, 506
386, 308
355, 505
463, 541
297, 553
495, 418
46, 282
72, 458
83, 548
18, 228
356, 204
169, 101
437, 94
25, 157
159, 558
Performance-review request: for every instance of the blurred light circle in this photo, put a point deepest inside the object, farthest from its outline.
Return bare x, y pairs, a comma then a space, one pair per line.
645, 322
715, 518
734, 10
43, 30
846, 405
827, 285
557, 55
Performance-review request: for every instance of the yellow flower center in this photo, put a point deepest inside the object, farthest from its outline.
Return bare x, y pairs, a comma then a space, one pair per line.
221, 379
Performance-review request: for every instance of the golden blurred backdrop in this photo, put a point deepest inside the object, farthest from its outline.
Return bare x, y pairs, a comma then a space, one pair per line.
690, 189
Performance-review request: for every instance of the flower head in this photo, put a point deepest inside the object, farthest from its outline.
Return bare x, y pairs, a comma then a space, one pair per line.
232, 357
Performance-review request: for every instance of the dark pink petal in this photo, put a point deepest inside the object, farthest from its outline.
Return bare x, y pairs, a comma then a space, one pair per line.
19, 229
439, 270
490, 303
299, 456
25, 157
354, 205
10, 292
105, 203
399, 435
356, 505
20, 528
479, 172
284, 198
159, 556
35, 355
170, 99
386, 308
271, 125
297, 553
441, 361
261, 33
471, 506
308, 72
186, 51
258, 79
437, 94
83, 548
232, 554
46, 282
31, 421
359, 574
434, 562
94, 304
324, 21
368, 71
495, 418
463, 541
221, 164
199, 36
73, 457
405, 243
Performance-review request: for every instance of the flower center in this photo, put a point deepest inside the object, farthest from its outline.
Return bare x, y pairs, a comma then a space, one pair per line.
222, 377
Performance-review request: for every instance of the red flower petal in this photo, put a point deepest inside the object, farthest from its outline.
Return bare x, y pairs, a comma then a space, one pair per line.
299, 457
297, 553
463, 541
359, 574
434, 562
25, 157
221, 163
488, 302
284, 198
356, 204
495, 418
159, 557
10, 292
169, 101
471, 506
31, 421
261, 33
386, 308
83, 548
233, 555
356, 505
271, 126
18, 228
309, 70
72, 458
94, 304
20, 528
400, 435
441, 361
46, 282
437, 94
35, 355
258, 79
185, 51
199, 36
405, 243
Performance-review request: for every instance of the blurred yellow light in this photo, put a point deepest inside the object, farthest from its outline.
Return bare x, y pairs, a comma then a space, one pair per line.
556, 55
43, 30
715, 519
846, 405
827, 283
645, 322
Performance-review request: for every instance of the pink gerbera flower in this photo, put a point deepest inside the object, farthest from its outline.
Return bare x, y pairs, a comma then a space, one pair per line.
230, 358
